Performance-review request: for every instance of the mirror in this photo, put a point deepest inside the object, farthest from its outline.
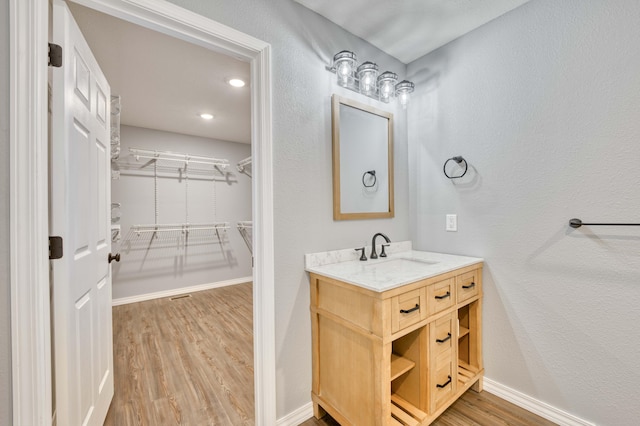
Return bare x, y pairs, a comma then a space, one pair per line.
362, 161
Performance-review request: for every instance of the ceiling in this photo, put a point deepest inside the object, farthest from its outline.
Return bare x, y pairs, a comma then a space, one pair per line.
409, 29
165, 83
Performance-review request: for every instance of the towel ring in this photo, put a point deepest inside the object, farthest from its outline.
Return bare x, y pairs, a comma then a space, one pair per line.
459, 160
372, 173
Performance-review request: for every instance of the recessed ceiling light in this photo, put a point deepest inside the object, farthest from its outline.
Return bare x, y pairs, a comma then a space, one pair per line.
206, 116
236, 82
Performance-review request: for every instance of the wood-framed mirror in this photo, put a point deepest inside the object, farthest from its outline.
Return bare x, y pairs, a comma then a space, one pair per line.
362, 160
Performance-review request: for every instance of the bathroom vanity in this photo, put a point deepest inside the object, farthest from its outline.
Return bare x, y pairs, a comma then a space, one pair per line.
396, 340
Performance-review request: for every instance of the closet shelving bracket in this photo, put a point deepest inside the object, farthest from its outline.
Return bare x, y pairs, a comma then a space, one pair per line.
244, 165
245, 228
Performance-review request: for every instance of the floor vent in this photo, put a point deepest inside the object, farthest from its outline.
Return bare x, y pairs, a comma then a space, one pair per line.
182, 296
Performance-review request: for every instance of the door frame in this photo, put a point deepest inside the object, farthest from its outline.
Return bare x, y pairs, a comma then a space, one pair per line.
28, 191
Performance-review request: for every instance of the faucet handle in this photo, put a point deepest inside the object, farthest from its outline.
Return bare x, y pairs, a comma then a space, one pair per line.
382, 253
362, 256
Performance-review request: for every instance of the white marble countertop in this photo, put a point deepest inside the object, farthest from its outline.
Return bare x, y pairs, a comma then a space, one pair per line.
400, 267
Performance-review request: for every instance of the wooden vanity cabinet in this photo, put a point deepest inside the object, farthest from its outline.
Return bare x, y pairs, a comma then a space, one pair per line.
397, 357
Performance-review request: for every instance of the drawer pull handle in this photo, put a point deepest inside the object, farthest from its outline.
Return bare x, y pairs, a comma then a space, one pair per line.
445, 339
445, 383
444, 296
408, 311
472, 285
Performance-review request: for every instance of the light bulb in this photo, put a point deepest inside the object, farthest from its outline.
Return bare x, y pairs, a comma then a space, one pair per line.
368, 72
344, 71
386, 84
404, 99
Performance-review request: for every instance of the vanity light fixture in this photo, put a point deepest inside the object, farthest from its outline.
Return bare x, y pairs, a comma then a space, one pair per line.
206, 116
367, 76
386, 85
344, 65
403, 92
364, 79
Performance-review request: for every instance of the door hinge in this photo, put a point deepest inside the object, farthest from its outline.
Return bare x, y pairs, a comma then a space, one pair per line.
55, 248
55, 55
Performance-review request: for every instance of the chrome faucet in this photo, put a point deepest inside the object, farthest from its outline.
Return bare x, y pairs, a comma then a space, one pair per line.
374, 255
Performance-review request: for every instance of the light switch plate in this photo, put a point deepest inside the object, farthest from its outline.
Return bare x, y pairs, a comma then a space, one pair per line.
452, 223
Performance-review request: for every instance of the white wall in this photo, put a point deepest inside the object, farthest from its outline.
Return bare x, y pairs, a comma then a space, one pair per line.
303, 44
173, 260
543, 102
5, 299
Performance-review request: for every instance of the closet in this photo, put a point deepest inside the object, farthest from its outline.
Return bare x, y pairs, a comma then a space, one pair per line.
181, 213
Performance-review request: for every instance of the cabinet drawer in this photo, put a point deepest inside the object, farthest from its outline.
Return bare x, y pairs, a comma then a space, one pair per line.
468, 285
444, 384
442, 335
407, 309
440, 296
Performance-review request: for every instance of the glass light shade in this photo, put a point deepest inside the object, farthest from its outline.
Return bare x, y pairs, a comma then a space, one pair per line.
345, 63
368, 74
386, 85
403, 91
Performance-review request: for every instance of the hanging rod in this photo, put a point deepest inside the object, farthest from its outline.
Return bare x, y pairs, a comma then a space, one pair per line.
182, 227
245, 224
174, 156
577, 223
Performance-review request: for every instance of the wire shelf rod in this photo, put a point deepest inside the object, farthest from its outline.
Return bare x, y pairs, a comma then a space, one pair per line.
183, 227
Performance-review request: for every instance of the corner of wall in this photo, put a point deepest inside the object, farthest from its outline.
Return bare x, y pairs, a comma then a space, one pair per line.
5, 296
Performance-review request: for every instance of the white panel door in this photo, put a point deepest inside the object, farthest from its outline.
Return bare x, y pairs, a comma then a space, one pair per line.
80, 199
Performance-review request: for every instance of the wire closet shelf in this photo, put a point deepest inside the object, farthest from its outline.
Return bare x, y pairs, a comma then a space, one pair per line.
178, 157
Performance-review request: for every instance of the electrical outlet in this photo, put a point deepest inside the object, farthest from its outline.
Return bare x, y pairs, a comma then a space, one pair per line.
452, 223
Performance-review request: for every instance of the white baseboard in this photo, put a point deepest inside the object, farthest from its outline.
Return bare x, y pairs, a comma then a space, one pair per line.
178, 291
297, 416
533, 405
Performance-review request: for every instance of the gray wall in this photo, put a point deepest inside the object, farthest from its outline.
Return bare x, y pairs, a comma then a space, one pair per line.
172, 260
5, 311
303, 43
543, 103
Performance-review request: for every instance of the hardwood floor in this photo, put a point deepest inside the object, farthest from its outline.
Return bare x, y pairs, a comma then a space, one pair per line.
477, 409
187, 361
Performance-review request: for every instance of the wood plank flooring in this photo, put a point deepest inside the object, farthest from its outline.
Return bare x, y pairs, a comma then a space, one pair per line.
187, 361
472, 409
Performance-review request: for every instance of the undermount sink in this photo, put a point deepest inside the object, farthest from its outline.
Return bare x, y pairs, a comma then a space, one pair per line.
397, 265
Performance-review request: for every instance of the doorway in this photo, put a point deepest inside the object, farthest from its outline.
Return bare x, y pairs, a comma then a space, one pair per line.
177, 199
29, 283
